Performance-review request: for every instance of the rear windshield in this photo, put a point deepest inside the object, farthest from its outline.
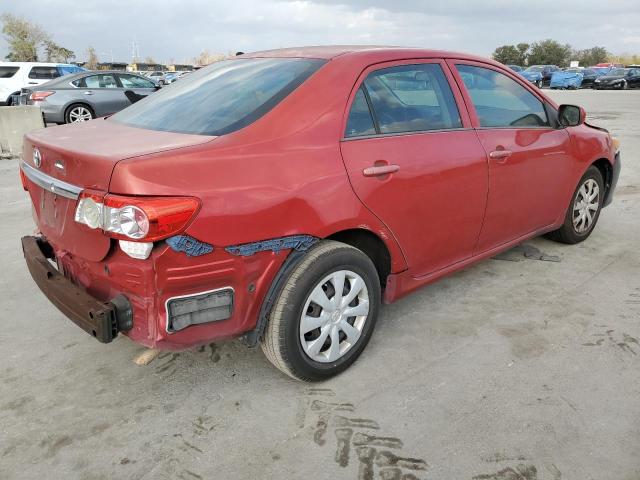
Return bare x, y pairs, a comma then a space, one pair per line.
8, 72
221, 98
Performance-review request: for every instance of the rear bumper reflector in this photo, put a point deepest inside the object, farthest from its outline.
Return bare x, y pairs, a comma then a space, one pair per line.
205, 307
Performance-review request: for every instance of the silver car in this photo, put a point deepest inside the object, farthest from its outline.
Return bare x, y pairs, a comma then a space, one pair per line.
81, 97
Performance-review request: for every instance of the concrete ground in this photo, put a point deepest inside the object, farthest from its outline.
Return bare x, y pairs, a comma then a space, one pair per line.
509, 370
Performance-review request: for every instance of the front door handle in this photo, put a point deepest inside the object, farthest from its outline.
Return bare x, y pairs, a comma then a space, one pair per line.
88, 93
500, 154
380, 170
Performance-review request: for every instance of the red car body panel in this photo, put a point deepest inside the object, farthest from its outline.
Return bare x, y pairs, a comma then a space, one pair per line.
292, 172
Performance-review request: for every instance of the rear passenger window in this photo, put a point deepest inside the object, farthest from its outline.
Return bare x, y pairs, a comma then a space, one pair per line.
8, 72
360, 121
412, 98
44, 73
501, 101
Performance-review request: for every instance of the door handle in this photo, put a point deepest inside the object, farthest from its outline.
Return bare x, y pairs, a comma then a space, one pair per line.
88, 93
500, 154
33, 83
380, 170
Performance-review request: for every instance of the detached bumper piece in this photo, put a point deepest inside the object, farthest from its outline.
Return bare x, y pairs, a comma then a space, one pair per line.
201, 308
99, 319
617, 166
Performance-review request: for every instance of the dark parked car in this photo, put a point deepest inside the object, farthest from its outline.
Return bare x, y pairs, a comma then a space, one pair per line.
588, 77
87, 95
282, 196
619, 79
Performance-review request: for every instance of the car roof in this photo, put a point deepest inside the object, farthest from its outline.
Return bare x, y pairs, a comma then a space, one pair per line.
36, 64
330, 52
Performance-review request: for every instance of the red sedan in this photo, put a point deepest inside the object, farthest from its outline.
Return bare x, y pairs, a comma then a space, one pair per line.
282, 196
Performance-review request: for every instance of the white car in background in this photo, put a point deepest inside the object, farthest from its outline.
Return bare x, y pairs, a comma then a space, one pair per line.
16, 75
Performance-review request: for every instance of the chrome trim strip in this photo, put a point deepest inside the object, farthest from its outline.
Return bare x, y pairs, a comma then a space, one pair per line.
50, 183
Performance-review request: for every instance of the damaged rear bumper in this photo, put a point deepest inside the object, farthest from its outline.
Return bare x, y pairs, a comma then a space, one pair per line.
103, 320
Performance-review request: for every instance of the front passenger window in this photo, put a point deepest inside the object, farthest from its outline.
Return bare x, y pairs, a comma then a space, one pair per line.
500, 101
100, 81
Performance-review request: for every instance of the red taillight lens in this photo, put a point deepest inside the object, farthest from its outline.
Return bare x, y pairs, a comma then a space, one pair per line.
142, 219
39, 96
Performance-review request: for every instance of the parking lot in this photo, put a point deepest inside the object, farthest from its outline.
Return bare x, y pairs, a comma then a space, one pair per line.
523, 367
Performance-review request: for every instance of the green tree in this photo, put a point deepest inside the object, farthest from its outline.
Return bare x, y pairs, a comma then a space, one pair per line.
511, 54
56, 53
523, 50
507, 54
23, 38
92, 59
550, 52
591, 56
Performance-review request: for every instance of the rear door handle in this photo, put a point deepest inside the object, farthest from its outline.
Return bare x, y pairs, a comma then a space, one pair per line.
500, 154
380, 170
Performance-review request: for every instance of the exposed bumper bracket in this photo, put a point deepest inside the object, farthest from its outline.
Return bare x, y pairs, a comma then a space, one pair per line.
102, 320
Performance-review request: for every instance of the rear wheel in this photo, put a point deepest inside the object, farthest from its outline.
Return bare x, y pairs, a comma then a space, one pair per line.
584, 211
10, 99
78, 112
325, 314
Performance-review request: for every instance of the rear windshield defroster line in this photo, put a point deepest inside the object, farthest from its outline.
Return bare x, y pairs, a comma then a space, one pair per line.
221, 98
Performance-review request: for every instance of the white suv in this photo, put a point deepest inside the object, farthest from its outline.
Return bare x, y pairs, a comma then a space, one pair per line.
16, 75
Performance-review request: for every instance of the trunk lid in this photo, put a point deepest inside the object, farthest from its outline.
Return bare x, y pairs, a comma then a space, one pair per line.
84, 155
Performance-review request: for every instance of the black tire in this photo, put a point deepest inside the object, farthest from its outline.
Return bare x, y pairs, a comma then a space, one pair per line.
71, 108
567, 233
281, 342
539, 84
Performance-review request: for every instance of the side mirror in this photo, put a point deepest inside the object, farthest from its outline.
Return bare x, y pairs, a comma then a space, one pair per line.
571, 115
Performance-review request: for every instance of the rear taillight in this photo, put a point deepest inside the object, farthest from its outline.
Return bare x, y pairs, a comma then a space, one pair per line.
138, 219
39, 96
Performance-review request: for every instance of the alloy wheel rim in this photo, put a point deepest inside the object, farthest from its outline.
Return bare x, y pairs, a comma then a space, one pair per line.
79, 114
586, 206
334, 316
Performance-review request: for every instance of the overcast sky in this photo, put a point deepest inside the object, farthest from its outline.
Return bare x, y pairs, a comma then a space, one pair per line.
179, 30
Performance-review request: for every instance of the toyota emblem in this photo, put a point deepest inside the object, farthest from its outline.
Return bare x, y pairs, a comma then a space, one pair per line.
37, 158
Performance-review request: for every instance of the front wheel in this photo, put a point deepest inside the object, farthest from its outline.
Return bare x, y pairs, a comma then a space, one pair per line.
584, 211
539, 84
325, 313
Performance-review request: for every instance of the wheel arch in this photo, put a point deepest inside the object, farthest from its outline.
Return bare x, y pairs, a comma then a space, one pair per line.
606, 170
371, 245
363, 239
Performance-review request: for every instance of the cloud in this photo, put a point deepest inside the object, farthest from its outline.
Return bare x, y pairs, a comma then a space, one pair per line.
180, 30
